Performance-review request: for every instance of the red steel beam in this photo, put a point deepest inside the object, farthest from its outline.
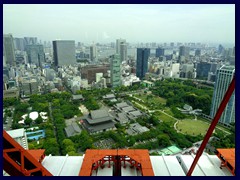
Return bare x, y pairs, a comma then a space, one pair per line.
221, 108
19, 162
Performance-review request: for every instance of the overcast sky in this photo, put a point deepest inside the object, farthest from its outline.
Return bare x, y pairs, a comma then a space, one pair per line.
159, 23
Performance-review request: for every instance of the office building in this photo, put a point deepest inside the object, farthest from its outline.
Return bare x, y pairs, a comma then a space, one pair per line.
19, 44
142, 61
35, 54
89, 72
30, 40
64, 52
8, 49
203, 68
224, 77
118, 43
93, 52
159, 52
115, 70
187, 71
28, 87
123, 51
183, 53
198, 52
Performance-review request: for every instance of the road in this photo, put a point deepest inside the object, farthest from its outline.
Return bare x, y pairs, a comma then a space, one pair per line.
51, 117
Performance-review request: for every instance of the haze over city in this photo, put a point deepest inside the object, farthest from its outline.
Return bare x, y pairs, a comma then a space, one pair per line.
207, 23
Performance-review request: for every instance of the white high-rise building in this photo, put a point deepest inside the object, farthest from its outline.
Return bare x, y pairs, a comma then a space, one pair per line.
223, 79
175, 70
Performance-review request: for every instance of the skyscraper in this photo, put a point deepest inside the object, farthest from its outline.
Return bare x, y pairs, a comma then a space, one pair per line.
93, 52
123, 51
198, 52
184, 51
35, 54
115, 70
159, 52
142, 61
118, 43
19, 44
64, 52
30, 40
203, 69
8, 49
223, 79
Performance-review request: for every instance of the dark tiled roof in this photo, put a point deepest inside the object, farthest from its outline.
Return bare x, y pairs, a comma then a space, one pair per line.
98, 127
98, 120
99, 114
121, 105
72, 129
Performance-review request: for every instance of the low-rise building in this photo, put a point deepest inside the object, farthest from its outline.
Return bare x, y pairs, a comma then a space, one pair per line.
98, 121
72, 129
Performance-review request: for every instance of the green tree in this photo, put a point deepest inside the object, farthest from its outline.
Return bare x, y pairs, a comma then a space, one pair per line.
51, 146
28, 121
39, 120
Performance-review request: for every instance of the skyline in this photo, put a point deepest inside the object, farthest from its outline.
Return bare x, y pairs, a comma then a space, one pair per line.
206, 23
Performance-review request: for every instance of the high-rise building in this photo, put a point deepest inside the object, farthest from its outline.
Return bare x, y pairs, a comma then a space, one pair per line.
30, 40
203, 69
115, 70
183, 53
93, 52
35, 54
118, 43
159, 52
29, 87
198, 52
220, 49
142, 61
8, 49
123, 51
224, 77
187, 71
64, 52
19, 44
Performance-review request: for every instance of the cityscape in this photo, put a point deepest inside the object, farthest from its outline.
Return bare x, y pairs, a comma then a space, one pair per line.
139, 85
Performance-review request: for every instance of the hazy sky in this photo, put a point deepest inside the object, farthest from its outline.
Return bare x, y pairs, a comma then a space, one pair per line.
136, 23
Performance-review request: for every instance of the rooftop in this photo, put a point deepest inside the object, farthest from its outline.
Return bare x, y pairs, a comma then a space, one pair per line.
77, 97
121, 105
208, 165
99, 114
72, 129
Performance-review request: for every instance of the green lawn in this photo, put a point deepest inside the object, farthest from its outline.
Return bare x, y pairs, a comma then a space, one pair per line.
165, 118
168, 111
192, 127
152, 99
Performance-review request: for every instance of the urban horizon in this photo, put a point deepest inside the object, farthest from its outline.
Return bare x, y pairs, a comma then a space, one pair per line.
208, 24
